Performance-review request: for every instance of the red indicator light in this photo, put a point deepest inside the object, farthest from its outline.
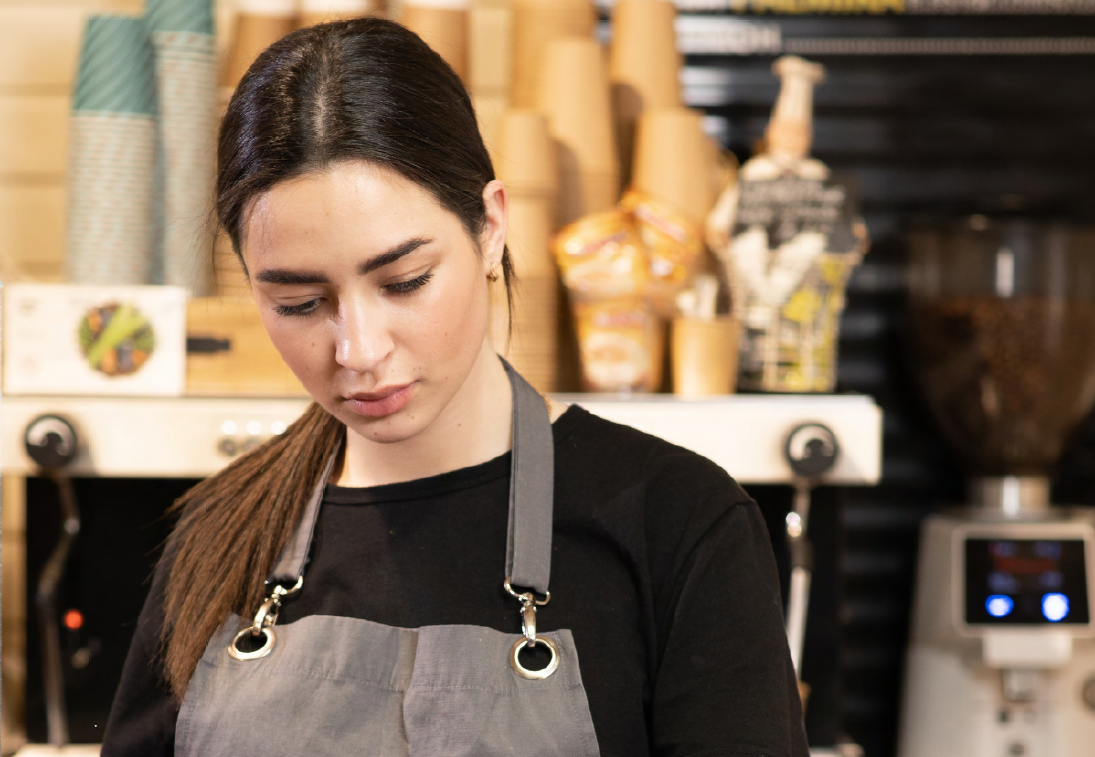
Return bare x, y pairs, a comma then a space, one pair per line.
74, 620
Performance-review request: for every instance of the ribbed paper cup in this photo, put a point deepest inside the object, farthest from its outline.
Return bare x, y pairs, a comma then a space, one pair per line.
112, 155
532, 343
574, 96
182, 35
489, 111
526, 154
672, 160
490, 47
705, 356
260, 24
443, 24
535, 24
314, 12
644, 67
529, 238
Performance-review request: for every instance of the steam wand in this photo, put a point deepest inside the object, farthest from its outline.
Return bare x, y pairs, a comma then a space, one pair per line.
811, 451
51, 442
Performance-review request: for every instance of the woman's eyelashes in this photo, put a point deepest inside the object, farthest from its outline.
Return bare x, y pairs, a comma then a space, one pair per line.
406, 287
396, 287
304, 308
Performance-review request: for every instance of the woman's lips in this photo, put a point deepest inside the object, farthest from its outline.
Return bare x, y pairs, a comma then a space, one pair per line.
381, 403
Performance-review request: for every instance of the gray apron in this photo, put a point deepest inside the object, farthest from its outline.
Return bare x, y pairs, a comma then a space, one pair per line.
328, 685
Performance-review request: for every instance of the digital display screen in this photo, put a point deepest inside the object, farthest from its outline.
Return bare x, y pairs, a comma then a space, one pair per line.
1026, 581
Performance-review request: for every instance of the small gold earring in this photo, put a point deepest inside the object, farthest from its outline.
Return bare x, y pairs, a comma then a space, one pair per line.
493, 275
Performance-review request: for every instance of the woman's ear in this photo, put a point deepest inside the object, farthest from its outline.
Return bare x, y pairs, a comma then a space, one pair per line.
493, 239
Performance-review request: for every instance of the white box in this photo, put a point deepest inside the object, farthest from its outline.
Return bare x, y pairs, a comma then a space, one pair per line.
94, 340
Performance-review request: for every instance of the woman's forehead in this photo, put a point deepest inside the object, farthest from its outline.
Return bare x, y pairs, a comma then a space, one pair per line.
349, 204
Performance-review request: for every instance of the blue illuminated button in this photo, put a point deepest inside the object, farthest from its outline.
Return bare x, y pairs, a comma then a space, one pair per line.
999, 605
1054, 607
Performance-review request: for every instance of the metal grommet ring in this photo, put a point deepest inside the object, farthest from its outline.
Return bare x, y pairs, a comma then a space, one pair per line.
266, 648
534, 675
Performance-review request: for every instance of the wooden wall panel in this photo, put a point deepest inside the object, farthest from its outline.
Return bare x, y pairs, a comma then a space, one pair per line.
32, 228
33, 136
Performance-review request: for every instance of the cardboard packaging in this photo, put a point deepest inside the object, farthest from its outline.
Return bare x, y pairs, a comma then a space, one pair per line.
62, 339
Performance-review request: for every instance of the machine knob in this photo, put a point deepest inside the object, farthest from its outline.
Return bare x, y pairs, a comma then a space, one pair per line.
811, 450
1088, 692
51, 441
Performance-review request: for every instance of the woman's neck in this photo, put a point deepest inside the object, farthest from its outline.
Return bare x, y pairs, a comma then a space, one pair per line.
474, 427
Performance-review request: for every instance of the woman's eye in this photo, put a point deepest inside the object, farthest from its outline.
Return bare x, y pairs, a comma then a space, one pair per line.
406, 287
304, 308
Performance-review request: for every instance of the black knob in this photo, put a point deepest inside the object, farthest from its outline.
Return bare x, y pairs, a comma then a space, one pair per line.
811, 450
51, 441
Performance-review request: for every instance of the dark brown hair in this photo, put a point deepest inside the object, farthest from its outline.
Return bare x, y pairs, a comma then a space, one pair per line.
366, 89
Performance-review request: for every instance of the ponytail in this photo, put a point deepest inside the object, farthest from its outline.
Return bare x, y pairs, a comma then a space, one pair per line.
231, 529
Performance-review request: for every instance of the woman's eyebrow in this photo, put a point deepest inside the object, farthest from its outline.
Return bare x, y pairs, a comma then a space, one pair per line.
281, 276
392, 255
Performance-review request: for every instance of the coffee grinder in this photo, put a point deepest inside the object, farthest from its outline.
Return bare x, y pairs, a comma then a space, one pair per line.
1001, 659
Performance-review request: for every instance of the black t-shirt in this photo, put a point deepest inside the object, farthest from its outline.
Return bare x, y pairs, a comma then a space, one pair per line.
661, 568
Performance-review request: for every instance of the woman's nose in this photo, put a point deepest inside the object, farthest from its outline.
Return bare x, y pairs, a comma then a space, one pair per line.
364, 341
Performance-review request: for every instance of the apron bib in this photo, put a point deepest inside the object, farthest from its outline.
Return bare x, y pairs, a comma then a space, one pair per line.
327, 685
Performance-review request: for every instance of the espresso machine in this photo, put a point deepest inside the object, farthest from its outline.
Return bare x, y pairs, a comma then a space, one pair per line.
1001, 659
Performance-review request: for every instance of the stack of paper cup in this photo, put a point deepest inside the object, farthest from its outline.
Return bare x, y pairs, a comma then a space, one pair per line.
574, 97
113, 155
314, 12
443, 24
186, 78
535, 24
490, 32
673, 160
644, 68
260, 23
526, 163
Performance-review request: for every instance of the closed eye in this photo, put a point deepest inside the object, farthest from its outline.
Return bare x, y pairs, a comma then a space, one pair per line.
406, 287
304, 308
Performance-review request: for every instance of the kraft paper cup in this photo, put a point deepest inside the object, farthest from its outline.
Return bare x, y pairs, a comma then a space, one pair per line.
260, 24
529, 236
672, 160
314, 12
443, 24
535, 24
490, 47
526, 154
574, 97
705, 356
489, 110
531, 344
644, 66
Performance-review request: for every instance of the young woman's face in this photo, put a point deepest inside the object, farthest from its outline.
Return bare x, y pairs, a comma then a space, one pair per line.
373, 293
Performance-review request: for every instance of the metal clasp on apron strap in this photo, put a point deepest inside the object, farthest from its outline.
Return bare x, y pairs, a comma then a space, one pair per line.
263, 624
529, 603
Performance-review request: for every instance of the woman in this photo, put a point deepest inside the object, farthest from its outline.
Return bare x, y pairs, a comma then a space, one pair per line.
383, 557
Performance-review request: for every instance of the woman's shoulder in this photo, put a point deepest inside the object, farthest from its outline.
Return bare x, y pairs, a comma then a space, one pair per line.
608, 454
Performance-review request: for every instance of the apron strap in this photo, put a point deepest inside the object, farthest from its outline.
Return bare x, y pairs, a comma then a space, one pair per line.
290, 565
531, 498
531, 488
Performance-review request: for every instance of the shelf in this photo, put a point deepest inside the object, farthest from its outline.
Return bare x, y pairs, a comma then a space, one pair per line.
195, 437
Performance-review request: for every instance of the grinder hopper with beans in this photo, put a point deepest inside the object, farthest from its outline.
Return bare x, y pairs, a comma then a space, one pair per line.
1001, 654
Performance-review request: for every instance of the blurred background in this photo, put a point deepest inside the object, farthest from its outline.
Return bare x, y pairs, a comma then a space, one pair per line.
925, 114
